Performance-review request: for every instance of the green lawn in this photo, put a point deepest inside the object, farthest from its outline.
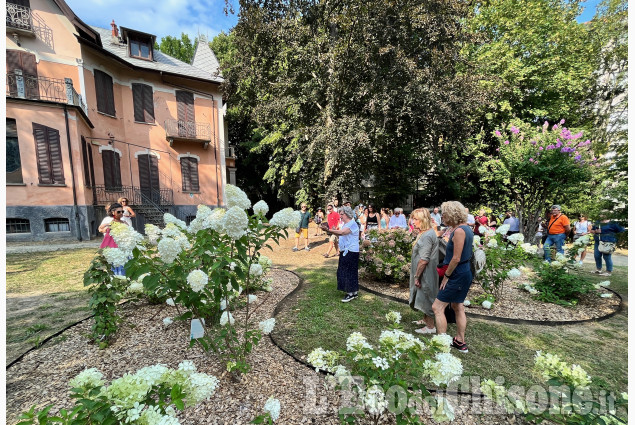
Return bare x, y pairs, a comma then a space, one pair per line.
45, 293
319, 319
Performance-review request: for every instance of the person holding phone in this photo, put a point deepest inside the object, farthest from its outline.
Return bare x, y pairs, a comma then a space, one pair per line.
115, 213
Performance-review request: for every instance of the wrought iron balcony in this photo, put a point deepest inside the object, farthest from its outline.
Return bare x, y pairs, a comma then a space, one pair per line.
20, 18
25, 86
188, 131
135, 195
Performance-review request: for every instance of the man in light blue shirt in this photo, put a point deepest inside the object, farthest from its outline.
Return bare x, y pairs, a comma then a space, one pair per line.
398, 220
514, 223
437, 217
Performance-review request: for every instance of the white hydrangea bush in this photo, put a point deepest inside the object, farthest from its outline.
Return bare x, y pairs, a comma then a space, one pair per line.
385, 363
207, 269
151, 395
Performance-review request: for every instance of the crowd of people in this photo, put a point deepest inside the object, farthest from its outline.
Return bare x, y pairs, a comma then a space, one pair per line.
441, 278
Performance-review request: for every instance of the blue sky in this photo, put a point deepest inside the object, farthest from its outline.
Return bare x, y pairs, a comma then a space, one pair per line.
172, 17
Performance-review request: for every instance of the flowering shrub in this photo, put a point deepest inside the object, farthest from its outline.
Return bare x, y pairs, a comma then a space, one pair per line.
386, 254
503, 259
567, 383
149, 396
272, 412
396, 357
208, 268
555, 281
538, 163
107, 290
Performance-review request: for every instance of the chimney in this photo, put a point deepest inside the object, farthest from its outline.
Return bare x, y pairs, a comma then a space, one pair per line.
115, 30
114, 39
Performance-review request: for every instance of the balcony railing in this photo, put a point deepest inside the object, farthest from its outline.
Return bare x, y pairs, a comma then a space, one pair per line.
19, 17
134, 194
25, 86
188, 130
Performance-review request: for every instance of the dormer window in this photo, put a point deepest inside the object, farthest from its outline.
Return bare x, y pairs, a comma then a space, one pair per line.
140, 49
139, 43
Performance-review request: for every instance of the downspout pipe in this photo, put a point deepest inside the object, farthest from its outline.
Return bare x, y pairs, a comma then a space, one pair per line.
70, 157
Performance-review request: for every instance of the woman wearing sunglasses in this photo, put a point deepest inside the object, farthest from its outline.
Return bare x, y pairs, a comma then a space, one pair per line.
128, 213
115, 214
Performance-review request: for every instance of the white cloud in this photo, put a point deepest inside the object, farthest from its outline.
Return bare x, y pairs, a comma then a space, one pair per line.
158, 17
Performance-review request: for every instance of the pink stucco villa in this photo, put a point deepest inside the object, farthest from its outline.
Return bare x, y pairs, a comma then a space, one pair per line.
94, 114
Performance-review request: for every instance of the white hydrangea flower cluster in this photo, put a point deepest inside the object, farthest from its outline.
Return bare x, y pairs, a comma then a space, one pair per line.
489, 232
498, 393
556, 264
235, 222
399, 341
126, 237
169, 249
447, 368
266, 326
444, 412
265, 262
285, 218
529, 248
169, 218
606, 295
503, 229
88, 378
170, 302
202, 212
516, 238
153, 233
236, 197
476, 242
128, 392
375, 400
442, 342
357, 342
116, 257
514, 273
272, 406
486, 304
226, 317
551, 366
214, 221
255, 270
530, 289
380, 363
322, 359
393, 317
197, 279
252, 298
493, 243
582, 241
467, 303
135, 287
261, 208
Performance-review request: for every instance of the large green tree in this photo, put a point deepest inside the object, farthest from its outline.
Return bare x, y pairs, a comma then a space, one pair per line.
349, 92
181, 48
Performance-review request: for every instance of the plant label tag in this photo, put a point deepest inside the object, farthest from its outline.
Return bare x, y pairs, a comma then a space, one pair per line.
196, 328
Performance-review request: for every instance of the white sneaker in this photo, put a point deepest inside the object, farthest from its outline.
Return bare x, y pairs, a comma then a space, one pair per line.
426, 330
605, 274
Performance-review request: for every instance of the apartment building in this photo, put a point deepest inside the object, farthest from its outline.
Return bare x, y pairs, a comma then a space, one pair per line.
94, 114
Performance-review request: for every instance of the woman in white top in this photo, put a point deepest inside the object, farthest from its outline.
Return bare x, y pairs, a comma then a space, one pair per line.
128, 213
348, 265
582, 227
115, 214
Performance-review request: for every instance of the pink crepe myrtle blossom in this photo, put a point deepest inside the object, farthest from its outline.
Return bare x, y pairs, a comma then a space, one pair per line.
498, 133
507, 142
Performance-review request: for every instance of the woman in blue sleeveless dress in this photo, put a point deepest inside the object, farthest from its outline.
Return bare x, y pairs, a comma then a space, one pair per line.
457, 277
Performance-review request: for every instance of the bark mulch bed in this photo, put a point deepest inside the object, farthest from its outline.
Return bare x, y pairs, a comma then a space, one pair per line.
42, 376
517, 303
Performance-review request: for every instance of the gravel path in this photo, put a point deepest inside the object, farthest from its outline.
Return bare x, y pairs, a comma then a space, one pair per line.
24, 248
42, 376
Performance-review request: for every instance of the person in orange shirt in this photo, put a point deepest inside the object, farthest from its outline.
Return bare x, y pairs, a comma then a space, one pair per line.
557, 230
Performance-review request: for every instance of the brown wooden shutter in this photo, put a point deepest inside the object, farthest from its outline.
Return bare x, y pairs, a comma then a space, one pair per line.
137, 102
57, 164
185, 106
105, 94
148, 104
185, 174
194, 175
48, 154
107, 163
13, 60
42, 154
85, 147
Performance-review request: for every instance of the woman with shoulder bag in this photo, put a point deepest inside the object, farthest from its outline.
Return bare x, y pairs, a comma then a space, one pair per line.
605, 238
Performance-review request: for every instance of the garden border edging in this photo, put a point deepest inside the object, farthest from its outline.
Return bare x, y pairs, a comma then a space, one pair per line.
511, 320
